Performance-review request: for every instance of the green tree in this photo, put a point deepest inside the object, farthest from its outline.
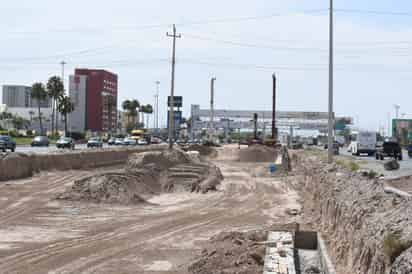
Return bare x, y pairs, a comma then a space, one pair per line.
55, 89
65, 106
38, 92
130, 107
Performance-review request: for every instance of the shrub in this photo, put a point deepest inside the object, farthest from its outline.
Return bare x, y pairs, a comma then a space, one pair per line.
393, 246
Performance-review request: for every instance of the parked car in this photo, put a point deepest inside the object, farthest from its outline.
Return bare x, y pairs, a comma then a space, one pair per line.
111, 141
40, 141
95, 142
390, 148
6, 142
65, 142
142, 142
118, 142
128, 141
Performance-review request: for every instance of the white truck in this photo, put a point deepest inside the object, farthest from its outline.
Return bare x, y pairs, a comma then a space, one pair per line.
364, 143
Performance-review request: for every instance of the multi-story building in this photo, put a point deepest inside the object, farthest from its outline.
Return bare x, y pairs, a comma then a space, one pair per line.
94, 93
20, 97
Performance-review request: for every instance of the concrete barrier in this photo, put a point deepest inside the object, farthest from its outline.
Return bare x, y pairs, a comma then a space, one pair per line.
19, 165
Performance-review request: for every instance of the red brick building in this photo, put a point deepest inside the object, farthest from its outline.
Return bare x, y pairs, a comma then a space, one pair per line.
101, 99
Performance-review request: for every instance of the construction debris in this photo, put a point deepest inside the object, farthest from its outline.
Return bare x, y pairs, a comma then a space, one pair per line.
391, 165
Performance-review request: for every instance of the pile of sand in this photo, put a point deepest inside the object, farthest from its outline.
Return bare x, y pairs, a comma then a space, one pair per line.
112, 188
258, 153
145, 175
232, 253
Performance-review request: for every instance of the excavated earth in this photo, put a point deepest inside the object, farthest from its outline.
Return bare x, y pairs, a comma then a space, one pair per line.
368, 230
147, 174
165, 233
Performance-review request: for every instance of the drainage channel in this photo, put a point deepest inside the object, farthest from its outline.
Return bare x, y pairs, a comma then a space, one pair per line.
301, 252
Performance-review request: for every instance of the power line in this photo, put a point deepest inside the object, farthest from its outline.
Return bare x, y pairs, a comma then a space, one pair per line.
374, 12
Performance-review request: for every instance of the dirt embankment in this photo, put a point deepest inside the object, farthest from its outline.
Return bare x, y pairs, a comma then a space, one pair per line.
20, 165
147, 174
368, 231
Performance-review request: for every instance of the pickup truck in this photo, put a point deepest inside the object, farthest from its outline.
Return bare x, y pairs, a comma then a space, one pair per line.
7, 143
390, 148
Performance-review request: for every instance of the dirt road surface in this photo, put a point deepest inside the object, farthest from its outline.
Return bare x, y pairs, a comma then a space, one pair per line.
41, 235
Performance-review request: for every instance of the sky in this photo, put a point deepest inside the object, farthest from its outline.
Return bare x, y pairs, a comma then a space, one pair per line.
241, 43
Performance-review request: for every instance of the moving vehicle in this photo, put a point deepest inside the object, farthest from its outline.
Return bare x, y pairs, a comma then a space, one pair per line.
7, 143
138, 134
340, 140
118, 142
111, 141
142, 142
390, 148
40, 141
129, 141
65, 142
364, 143
95, 142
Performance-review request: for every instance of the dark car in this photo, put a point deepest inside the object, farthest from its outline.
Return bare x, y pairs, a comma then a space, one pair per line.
65, 142
95, 142
390, 148
40, 141
7, 143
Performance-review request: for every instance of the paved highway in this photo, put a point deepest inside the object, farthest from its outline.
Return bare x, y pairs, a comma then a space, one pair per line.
377, 165
53, 148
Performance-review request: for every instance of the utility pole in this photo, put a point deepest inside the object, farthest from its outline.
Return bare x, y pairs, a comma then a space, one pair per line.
274, 130
156, 121
212, 110
331, 118
172, 88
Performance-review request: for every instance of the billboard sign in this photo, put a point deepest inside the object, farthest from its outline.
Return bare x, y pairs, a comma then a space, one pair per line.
177, 101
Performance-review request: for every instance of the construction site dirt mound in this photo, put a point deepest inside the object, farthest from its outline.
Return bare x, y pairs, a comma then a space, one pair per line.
232, 253
113, 188
145, 175
258, 153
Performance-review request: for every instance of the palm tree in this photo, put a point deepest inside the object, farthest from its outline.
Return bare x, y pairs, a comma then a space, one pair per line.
148, 109
126, 108
55, 89
65, 106
38, 92
130, 106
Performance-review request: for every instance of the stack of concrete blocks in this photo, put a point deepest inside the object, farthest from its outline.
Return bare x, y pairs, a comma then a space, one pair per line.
280, 258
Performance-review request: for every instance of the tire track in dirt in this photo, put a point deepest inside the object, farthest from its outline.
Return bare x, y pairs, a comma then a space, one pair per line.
29, 205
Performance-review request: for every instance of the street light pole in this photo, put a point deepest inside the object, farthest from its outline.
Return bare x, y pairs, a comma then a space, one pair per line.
157, 107
331, 118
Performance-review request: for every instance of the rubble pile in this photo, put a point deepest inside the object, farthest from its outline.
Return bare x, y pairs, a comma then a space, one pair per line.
368, 231
258, 153
145, 175
232, 253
